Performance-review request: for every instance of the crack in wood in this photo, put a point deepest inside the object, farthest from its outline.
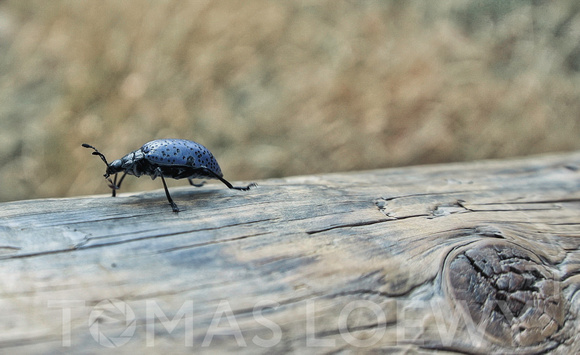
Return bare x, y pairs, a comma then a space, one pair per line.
348, 225
84, 245
30, 340
212, 242
354, 329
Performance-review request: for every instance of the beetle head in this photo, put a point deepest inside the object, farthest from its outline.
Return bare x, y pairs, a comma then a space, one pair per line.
114, 167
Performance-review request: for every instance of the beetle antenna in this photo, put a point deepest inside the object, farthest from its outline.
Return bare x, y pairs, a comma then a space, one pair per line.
96, 152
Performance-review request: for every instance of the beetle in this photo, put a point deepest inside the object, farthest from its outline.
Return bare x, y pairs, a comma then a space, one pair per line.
166, 158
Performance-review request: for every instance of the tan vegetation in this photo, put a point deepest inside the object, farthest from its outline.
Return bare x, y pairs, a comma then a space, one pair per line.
277, 88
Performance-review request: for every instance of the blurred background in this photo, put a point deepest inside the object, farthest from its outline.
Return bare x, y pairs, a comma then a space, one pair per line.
278, 88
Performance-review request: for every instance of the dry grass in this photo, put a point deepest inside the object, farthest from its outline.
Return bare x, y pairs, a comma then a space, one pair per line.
278, 88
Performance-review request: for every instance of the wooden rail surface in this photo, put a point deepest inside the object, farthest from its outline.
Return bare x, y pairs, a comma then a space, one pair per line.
478, 257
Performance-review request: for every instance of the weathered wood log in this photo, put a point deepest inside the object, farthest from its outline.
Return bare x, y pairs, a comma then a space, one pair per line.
476, 257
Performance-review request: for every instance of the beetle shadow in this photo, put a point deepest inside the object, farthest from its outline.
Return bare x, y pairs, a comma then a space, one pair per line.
184, 197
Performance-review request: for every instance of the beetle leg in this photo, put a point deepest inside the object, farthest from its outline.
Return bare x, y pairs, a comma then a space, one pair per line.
114, 187
113, 184
227, 183
120, 181
173, 205
194, 184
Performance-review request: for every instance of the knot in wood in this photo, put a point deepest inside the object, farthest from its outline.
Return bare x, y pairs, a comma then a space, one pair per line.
507, 290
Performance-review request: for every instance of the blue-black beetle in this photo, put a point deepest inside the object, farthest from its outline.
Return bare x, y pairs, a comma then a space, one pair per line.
167, 158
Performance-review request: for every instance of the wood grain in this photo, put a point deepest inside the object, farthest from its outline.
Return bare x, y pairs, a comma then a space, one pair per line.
478, 257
